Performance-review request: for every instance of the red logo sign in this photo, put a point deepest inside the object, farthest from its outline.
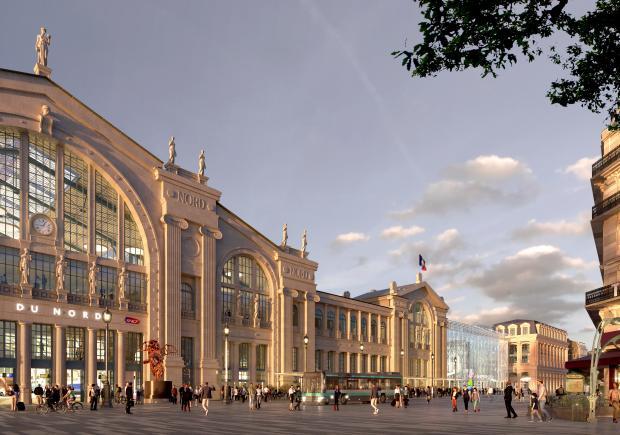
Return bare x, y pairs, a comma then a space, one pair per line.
132, 320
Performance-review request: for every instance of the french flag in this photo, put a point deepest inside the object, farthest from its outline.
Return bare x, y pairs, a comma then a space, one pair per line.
422, 262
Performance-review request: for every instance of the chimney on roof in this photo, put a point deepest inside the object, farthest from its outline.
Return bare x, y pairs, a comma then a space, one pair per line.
418, 278
393, 288
347, 294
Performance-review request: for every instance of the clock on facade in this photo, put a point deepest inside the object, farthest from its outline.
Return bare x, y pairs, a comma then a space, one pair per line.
43, 225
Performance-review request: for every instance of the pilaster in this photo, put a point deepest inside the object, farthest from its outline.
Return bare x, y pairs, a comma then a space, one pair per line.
91, 357
60, 356
24, 360
119, 365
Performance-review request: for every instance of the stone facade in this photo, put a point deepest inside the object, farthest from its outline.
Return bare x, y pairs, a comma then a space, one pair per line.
535, 351
153, 242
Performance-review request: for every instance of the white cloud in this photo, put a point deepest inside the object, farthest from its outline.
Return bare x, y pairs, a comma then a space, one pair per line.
400, 232
348, 238
539, 282
491, 316
534, 229
484, 180
582, 168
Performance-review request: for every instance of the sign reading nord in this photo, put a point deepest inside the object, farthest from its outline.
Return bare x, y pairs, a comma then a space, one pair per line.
297, 273
187, 198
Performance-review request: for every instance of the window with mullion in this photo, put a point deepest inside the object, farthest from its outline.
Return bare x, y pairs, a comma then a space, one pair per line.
136, 287
76, 277
41, 341
9, 265
75, 203
7, 339
10, 187
42, 274
42, 176
75, 339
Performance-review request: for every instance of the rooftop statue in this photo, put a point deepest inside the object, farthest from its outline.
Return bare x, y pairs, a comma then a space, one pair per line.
43, 42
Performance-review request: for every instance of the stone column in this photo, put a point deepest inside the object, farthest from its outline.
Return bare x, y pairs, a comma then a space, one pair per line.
91, 356
173, 363
233, 348
24, 152
252, 363
347, 362
60, 356
396, 344
348, 330
24, 356
207, 309
369, 332
309, 306
286, 330
359, 326
379, 320
119, 365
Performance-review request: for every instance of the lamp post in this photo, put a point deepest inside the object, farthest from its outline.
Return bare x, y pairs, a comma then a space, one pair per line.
306, 340
432, 373
362, 357
226, 333
455, 383
107, 318
402, 363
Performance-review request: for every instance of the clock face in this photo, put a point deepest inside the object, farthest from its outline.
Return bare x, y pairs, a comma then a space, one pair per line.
43, 225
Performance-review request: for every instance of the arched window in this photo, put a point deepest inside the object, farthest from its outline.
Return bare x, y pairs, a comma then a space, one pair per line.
318, 320
353, 327
331, 320
383, 332
342, 325
295, 315
373, 330
243, 285
188, 309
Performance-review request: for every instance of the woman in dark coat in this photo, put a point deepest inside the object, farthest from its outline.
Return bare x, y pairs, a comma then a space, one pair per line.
337, 395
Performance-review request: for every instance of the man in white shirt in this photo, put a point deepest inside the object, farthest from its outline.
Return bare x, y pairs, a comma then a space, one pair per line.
542, 399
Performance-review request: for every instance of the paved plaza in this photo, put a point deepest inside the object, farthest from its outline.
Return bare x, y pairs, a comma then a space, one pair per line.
274, 418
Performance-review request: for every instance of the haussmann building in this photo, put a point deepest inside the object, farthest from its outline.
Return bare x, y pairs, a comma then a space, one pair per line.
90, 219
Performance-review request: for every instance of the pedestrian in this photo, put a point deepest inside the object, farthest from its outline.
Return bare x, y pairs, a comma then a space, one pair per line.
251, 396
535, 408
92, 398
508, 393
614, 401
38, 392
337, 394
13, 397
542, 399
187, 398
259, 396
291, 398
455, 393
429, 395
173, 394
17, 392
374, 397
475, 400
129, 397
397, 395
466, 399
298, 398
206, 395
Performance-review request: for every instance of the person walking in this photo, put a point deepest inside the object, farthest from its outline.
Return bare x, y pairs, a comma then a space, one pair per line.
614, 401
397, 395
466, 399
298, 398
374, 397
291, 398
475, 400
205, 396
187, 398
38, 392
429, 395
251, 396
129, 397
542, 400
92, 399
454, 396
337, 394
259, 396
508, 393
535, 407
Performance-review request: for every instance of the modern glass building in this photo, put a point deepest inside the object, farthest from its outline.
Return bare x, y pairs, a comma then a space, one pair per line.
476, 353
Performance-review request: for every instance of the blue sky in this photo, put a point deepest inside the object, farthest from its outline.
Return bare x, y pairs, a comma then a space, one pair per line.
306, 119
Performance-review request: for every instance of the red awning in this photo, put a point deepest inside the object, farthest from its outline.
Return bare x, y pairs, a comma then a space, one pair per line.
610, 358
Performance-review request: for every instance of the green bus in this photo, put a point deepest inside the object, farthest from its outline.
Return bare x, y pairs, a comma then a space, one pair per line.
318, 387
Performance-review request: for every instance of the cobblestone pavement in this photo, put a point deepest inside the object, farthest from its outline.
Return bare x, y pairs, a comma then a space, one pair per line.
274, 418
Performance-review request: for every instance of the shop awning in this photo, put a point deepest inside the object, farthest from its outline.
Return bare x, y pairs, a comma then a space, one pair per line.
610, 358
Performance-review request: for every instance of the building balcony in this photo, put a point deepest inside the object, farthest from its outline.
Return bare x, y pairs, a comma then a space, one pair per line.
604, 162
10, 290
39, 293
606, 205
601, 294
76, 299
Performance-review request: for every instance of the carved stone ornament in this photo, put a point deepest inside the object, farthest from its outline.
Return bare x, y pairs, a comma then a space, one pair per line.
46, 122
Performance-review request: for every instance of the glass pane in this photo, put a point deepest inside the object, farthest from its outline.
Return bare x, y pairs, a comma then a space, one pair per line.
134, 248
106, 218
9, 183
42, 176
75, 203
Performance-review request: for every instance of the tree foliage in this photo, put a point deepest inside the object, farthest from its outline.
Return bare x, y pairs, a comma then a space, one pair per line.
491, 35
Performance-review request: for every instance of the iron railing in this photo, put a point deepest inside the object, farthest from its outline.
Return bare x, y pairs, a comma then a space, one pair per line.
10, 290
39, 293
78, 299
137, 307
605, 161
606, 205
601, 294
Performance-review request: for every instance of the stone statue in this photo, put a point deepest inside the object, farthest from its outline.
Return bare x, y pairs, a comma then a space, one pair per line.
60, 273
92, 279
284, 235
24, 267
122, 283
46, 122
304, 243
238, 307
44, 40
172, 152
256, 308
393, 288
201, 164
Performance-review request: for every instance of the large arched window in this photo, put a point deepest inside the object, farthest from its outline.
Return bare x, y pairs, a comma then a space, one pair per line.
188, 304
107, 217
244, 292
383, 332
295, 316
419, 329
331, 320
353, 326
342, 325
364, 323
373, 330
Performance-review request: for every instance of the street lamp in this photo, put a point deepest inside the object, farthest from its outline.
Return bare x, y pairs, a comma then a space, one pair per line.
107, 318
455, 383
402, 363
432, 373
306, 340
362, 358
226, 333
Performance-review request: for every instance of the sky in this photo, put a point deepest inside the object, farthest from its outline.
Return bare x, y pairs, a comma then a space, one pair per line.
306, 119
